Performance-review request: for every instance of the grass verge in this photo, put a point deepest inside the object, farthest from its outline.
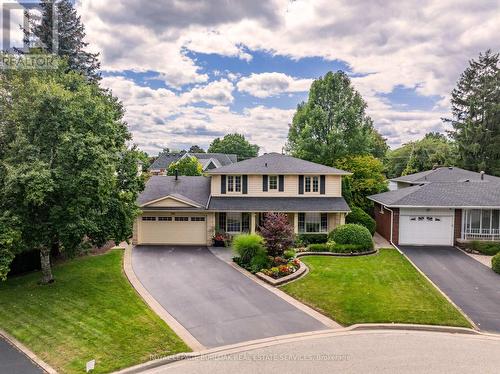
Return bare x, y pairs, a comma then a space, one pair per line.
90, 312
378, 288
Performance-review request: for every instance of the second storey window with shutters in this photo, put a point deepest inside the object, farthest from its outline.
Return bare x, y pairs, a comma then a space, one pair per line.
315, 180
273, 182
311, 183
234, 183
307, 184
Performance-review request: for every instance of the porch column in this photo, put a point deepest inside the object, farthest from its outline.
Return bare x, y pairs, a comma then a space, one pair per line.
252, 223
296, 223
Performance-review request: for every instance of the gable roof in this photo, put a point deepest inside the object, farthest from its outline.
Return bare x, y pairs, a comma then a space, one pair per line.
473, 194
444, 174
219, 159
194, 190
276, 163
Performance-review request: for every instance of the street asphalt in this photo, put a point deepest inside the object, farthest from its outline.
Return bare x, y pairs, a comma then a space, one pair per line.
474, 287
215, 302
408, 352
13, 361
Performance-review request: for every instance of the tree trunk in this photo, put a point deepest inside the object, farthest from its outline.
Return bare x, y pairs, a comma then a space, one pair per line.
46, 268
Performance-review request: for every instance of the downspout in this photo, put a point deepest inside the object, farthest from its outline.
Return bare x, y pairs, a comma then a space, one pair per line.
392, 223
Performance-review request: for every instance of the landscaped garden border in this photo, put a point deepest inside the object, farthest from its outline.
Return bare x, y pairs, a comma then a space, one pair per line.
301, 271
352, 254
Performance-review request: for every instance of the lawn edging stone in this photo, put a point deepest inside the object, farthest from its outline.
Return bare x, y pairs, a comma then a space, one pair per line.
301, 271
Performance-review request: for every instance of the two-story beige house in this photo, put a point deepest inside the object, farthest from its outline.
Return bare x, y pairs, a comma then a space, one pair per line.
234, 199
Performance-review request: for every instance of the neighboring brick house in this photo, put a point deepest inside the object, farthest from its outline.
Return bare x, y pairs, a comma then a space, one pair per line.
439, 207
234, 198
208, 161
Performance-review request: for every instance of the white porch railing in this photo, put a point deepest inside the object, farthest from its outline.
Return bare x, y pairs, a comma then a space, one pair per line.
482, 234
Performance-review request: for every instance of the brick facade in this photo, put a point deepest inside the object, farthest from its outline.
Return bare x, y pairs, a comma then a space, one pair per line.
383, 220
458, 225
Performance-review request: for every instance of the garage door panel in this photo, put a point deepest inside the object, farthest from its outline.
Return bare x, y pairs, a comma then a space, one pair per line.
426, 229
184, 230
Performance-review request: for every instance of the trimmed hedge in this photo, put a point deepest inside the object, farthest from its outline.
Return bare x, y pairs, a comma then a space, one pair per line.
313, 238
352, 234
486, 248
360, 217
319, 247
336, 248
495, 263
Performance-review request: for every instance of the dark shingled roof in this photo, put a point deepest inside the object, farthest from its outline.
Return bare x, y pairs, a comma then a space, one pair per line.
279, 204
192, 189
462, 194
164, 160
444, 174
276, 163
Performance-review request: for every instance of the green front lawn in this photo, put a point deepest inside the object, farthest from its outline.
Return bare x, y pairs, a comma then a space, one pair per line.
90, 312
378, 288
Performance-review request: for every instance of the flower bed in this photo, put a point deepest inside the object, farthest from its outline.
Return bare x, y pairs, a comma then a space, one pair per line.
281, 268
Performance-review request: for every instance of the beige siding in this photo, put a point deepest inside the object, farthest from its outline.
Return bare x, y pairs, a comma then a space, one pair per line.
335, 219
333, 187
172, 232
169, 203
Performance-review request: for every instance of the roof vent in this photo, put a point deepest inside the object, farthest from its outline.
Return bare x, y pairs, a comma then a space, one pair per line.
482, 175
450, 167
176, 174
265, 164
467, 180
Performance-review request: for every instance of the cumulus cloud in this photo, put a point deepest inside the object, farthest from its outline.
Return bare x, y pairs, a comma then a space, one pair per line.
422, 45
214, 93
270, 84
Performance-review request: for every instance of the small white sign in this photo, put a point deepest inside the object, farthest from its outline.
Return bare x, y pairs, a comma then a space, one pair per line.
90, 365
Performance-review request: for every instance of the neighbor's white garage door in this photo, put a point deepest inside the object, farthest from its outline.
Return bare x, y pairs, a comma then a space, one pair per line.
180, 229
434, 227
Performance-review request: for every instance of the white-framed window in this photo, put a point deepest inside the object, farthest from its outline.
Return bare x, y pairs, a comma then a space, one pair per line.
273, 182
315, 182
164, 218
313, 223
311, 183
181, 219
233, 222
234, 183
197, 219
148, 218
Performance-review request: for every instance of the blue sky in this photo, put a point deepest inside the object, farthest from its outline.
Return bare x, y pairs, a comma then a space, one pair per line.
189, 71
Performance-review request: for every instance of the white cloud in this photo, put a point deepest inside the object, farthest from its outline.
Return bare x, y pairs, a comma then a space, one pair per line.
270, 84
422, 44
215, 93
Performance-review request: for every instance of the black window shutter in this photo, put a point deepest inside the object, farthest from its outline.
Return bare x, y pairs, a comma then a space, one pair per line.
322, 183
222, 221
223, 184
264, 182
301, 184
244, 184
281, 183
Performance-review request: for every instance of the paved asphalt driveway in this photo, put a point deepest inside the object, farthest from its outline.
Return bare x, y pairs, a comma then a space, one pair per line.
474, 287
12, 361
216, 303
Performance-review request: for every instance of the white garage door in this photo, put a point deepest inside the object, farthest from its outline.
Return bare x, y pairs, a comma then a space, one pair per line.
180, 229
426, 229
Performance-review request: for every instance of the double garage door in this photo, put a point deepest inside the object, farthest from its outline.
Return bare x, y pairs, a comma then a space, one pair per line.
429, 227
175, 230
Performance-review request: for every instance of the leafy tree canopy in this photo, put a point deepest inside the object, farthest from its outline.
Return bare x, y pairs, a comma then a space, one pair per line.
367, 179
234, 144
66, 175
196, 149
476, 115
332, 124
186, 166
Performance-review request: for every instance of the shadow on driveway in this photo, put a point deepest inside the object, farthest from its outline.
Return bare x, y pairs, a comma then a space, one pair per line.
474, 287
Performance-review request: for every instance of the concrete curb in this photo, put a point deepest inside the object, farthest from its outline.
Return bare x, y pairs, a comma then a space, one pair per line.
21, 347
437, 288
180, 330
306, 309
267, 342
299, 273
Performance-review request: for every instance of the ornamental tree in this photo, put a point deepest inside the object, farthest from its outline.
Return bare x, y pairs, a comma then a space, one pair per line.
186, 166
277, 233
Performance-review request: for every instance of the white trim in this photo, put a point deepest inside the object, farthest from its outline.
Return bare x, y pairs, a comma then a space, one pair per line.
173, 198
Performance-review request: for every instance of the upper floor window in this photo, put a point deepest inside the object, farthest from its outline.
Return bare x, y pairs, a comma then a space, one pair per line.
234, 183
273, 182
311, 184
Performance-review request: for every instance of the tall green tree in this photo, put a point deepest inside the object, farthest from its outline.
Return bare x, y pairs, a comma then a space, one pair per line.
186, 166
196, 149
367, 179
234, 144
70, 37
476, 114
332, 124
67, 176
